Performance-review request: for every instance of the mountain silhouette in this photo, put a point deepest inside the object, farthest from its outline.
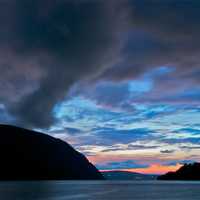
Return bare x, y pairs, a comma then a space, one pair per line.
124, 175
30, 155
186, 172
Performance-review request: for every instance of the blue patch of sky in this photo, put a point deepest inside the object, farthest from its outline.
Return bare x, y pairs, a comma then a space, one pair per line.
159, 71
140, 86
146, 82
128, 164
192, 94
187, 140
5, 117
92, 113
86, 114
190, 131
111, 136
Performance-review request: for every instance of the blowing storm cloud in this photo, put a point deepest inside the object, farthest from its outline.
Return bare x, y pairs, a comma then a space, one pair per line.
117, 79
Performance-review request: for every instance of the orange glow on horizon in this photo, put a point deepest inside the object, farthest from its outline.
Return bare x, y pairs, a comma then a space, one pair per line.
153, 169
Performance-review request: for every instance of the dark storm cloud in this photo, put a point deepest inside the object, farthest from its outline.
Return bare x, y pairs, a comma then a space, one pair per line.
162, 33
49, 45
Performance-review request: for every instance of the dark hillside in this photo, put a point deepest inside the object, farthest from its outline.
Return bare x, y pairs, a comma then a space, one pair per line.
29, 155
186, 172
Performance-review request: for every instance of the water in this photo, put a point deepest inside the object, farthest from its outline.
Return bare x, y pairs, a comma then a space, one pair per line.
100, 190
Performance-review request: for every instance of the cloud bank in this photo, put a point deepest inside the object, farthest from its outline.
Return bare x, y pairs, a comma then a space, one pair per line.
49, 46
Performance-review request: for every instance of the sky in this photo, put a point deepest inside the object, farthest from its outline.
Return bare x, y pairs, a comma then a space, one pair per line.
118, 80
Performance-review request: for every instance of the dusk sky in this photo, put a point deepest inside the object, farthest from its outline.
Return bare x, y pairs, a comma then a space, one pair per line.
119, 80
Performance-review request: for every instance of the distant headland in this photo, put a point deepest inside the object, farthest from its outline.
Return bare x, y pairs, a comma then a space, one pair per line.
186, 172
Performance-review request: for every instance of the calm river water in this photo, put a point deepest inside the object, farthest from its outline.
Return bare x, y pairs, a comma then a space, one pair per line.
100, 190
